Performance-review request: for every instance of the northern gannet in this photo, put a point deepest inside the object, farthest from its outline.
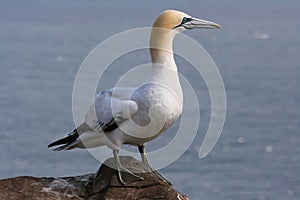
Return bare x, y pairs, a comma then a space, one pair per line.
136, 116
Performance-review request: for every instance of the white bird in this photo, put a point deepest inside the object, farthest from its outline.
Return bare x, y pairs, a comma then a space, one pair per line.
137, 115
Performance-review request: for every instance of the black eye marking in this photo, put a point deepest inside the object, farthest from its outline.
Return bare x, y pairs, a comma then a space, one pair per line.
185, 20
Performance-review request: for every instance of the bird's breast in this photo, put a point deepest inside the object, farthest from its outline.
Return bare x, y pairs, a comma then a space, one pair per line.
157, 104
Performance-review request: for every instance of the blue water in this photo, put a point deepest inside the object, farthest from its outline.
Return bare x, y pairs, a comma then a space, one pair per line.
42, 45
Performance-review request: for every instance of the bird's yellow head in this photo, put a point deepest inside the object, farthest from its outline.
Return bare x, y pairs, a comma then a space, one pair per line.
173, 19
166, 26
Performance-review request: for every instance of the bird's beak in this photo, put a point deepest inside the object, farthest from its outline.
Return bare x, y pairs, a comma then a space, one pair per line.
200, 23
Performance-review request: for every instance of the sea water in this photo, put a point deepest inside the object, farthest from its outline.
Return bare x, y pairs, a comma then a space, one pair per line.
42, 45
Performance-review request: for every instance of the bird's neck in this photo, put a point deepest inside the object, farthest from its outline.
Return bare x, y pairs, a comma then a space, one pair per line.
164, 69
161, 47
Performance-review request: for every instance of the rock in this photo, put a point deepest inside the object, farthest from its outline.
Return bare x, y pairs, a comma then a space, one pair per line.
26, 187
102, 185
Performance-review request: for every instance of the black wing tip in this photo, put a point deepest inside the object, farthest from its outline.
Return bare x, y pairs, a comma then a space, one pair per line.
66, 140
64, 147
50, 145
57, 142
53, 144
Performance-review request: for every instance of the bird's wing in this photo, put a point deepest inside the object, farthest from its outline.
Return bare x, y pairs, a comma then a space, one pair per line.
111, 108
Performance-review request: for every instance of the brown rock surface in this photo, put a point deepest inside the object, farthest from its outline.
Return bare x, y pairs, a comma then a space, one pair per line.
102, 185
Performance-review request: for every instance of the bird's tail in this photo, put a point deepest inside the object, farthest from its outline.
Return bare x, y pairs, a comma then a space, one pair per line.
67, 143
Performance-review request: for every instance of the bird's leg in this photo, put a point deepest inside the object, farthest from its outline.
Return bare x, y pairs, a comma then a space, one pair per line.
148, 167
121, 169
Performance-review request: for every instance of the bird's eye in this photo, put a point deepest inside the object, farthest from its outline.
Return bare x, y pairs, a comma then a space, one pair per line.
185, 20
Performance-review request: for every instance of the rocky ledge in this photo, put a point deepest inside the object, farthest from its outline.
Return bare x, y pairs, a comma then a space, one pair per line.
102, 185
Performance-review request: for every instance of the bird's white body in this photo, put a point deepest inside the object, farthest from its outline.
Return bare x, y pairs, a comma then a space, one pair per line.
162, 91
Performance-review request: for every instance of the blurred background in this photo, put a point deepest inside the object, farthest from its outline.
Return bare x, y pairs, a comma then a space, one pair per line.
43, 43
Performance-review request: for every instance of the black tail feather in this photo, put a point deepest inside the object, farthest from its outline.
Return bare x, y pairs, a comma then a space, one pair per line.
66, 140
65, 147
